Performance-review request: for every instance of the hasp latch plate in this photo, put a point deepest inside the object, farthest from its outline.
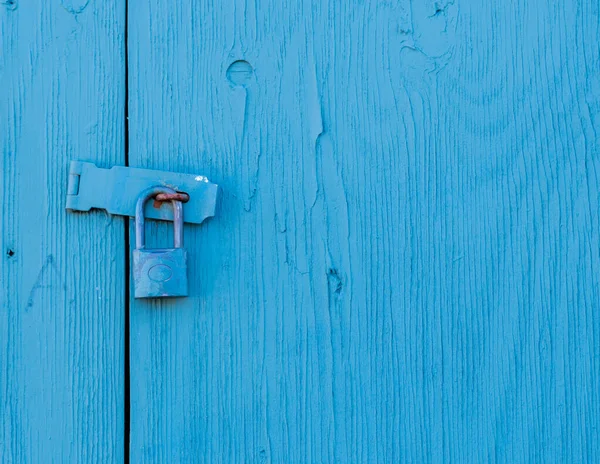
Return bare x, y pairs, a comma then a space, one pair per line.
117, 189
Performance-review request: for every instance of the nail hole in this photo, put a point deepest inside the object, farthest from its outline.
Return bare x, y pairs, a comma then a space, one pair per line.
10, 253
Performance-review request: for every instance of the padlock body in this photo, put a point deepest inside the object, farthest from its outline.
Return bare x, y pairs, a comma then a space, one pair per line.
160, 273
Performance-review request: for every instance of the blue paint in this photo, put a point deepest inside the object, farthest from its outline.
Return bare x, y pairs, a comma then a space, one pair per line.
405, 267
62, 285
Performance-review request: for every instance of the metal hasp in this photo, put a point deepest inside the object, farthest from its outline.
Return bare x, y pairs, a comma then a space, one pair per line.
117, 191
160, 272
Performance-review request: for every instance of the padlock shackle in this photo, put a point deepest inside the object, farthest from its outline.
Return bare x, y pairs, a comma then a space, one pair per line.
140, 229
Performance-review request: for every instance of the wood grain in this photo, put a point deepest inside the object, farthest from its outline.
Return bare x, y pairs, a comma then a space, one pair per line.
405, 267
62, 81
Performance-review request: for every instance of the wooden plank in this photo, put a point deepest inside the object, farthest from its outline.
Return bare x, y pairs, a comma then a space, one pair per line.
405, 268
62, 80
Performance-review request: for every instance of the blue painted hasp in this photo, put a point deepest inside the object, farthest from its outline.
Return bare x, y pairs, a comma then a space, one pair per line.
117, 189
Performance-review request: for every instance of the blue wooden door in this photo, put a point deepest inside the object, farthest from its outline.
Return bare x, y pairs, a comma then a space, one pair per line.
405, 267
62, 276
405, 264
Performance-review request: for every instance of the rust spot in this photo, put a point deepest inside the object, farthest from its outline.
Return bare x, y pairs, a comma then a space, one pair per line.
162, 197
178, 196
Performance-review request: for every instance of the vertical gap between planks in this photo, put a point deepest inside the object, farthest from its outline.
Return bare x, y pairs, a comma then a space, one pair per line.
127, 386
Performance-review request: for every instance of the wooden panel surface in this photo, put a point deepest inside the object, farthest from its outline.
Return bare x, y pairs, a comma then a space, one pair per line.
62, 96
406, 264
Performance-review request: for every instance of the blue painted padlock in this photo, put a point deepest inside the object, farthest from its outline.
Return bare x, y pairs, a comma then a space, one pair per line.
159, 272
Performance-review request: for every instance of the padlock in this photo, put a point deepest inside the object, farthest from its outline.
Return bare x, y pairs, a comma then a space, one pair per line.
161, 272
